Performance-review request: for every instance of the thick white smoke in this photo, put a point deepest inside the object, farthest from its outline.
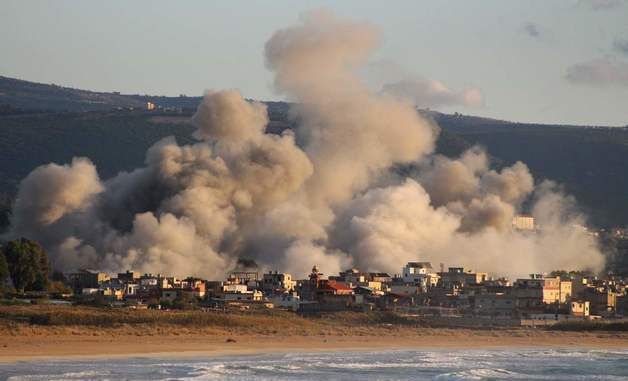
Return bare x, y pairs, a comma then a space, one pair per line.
323, 194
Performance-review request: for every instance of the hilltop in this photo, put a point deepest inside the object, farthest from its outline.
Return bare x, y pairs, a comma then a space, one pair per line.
41, 123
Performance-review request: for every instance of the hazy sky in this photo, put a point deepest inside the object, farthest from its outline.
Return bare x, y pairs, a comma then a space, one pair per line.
538, 61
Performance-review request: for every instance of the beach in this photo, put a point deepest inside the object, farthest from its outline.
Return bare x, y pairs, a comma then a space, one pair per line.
79, 342
60, 332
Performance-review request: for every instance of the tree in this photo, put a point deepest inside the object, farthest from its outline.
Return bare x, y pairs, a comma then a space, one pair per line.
4, 272
28, 264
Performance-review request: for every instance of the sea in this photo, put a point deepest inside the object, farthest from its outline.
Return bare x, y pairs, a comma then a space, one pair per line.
503, 364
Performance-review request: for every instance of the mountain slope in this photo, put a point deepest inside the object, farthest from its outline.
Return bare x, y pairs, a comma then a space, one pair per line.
592, 163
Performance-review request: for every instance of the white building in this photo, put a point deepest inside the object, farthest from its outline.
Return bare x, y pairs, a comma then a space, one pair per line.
420, 273
287, 300
521, 222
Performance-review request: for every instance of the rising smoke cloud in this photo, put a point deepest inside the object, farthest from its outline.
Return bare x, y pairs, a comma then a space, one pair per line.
324, 194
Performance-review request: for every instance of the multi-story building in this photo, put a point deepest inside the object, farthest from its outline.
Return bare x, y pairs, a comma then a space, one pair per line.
421, 274
457, 277
129, 276
277, 283
87, 279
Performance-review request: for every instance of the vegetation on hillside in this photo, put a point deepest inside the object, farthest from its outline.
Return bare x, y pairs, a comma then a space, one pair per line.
27, 265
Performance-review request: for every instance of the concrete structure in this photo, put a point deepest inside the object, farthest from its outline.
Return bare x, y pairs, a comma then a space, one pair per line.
248, 296
538, 294
496, 305
579, 308
602, 300
565, 291
129, 276
457, 277
521, 222
421, 274
287, 300
275, 282
87, 279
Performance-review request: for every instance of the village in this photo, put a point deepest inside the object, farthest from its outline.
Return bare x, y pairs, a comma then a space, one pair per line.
458, 295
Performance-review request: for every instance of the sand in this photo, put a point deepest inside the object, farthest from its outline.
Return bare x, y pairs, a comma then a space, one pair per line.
78, 344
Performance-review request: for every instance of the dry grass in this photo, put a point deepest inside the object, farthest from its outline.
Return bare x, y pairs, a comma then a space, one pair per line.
47, 318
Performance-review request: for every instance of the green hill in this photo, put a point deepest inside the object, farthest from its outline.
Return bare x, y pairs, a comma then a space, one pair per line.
591, 162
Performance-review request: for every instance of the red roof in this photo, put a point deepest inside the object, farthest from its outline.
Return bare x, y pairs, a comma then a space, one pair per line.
337, 286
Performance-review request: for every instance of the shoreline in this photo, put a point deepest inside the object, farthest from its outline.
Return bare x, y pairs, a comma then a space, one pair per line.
62, 347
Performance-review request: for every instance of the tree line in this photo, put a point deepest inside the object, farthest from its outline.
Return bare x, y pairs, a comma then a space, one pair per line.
24, 265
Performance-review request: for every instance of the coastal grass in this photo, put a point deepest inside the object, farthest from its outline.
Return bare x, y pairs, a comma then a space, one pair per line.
591, 325
15, 319
85, 320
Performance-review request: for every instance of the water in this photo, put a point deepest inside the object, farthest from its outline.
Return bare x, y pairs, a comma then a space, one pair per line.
520, 364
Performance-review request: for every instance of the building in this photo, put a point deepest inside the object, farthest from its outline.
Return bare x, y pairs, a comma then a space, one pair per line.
565, 291
286, 300
247, 296
421, 274
602, 300
308, 288
87, 279
331, 287
249, 278
539, 294
277, 283
495, 305
522, 222
412, 272
150, 106
129, 276
579, 308
457, 277
380, 277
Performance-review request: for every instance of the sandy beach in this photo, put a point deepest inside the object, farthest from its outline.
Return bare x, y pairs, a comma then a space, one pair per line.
69, 344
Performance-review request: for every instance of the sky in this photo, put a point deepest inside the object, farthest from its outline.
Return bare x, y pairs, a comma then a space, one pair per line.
528, 61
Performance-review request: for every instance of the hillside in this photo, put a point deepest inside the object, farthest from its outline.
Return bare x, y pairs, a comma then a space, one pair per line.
590, 162
25, 95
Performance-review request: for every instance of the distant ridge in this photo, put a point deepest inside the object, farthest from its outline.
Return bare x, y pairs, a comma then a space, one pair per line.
41, 123
28, 95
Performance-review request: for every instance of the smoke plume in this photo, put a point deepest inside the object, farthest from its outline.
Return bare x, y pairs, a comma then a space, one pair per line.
322, 194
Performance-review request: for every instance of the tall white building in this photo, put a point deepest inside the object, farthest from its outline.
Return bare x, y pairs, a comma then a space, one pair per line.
419, 273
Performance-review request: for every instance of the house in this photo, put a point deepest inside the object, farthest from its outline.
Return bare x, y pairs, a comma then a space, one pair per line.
131, 289
380, 277
247, 296
538, 290
521, 222
351, 276
112, 292
405, 289
286, 300
86, 279
495, 305
128, 276
579, 308
194, 287
250, 278
275, 282
330, 287
458, 277
602, 299
565, 291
